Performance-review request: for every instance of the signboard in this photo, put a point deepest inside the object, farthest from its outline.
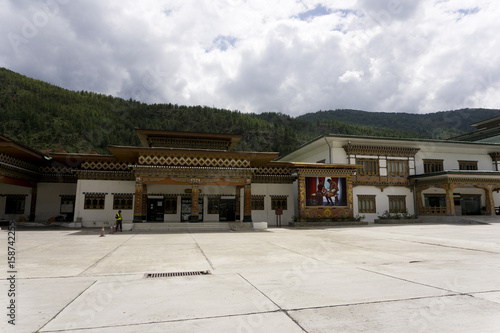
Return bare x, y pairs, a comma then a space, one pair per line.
326, 191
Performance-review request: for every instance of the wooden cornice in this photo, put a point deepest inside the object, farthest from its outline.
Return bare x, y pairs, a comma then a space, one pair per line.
379, 150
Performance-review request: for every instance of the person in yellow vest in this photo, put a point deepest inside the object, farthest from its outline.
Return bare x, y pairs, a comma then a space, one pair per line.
118, 218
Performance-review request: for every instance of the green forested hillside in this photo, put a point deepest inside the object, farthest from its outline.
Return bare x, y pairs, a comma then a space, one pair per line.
438, 125
49, 118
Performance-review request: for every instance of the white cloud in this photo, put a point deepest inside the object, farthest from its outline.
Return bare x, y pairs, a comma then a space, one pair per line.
291, 57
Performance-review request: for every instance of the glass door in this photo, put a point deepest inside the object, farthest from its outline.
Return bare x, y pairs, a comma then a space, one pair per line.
155, 210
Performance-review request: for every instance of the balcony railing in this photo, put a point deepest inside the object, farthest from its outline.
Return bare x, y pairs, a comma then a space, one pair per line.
433, 211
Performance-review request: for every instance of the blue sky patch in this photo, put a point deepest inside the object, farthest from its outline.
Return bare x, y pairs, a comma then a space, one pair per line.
468, 11
320, 10
224, 42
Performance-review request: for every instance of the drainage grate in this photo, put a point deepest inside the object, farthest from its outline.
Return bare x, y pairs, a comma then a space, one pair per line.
171, 274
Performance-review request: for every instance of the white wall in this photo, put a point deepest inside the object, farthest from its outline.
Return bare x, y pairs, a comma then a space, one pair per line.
381, 200
451, 158
13, 189
100, 217
48, 200
268, 215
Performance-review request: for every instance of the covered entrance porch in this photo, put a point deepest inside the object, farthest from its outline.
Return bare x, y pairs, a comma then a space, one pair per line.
456, 193
214, 197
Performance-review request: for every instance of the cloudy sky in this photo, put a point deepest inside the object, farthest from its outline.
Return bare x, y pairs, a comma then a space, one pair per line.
288, 56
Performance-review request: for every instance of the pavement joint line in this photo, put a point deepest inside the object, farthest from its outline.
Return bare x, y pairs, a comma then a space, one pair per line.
276, 304
203, 252
301, 254
294, 320
454, 247
92, 277
406, 280
162, 321
260, 291
105, 256
374, 302
64, 307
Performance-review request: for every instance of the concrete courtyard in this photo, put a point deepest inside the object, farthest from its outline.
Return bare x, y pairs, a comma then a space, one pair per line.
396, 278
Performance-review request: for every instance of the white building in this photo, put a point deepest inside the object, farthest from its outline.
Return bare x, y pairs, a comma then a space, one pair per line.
423, 177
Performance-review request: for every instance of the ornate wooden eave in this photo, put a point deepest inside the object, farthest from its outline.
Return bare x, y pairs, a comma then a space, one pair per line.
105, 175
187, 140
379, 150
456, 177
134, 154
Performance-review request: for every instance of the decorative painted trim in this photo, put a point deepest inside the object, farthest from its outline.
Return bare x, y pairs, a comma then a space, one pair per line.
379, 150
188, 143
9, 160
104, 166
105, 175
193, 161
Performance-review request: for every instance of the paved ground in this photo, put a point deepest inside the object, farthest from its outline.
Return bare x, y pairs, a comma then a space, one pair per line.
398, 278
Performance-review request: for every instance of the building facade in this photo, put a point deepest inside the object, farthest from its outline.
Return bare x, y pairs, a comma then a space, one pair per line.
452, 177
180, 177
172, 177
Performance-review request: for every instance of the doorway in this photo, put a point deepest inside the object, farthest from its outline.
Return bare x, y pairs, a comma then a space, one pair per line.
471, 205
186, 208
155, 210
227, 210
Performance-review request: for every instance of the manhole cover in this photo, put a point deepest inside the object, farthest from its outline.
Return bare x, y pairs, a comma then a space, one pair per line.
171, 274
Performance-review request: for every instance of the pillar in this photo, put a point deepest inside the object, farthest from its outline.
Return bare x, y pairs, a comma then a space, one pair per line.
302, 197
247, 213
450, 201
195, 192
139, 203
34, 191
419, 209
490, 203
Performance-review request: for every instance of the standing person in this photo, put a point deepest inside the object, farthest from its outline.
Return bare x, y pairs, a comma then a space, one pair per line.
118, 218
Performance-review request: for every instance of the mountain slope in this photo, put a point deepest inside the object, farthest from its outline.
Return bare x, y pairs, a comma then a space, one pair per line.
49, 118
439, 125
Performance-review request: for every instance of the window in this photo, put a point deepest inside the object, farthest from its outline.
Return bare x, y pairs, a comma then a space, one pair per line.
94, 200
397, 167
366, 204
15, 204
257, 202
467, 165
170, 205
213, 205
433, 166
67, 204
123, 201
370, 167
279, 201
397, 203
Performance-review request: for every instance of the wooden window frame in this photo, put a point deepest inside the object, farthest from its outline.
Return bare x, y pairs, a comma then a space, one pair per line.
367, 204
123, 201
371, 166
397, 203
170, 204
397, 168
467, 165
94, 201
258, 202
279, 202
431, 166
